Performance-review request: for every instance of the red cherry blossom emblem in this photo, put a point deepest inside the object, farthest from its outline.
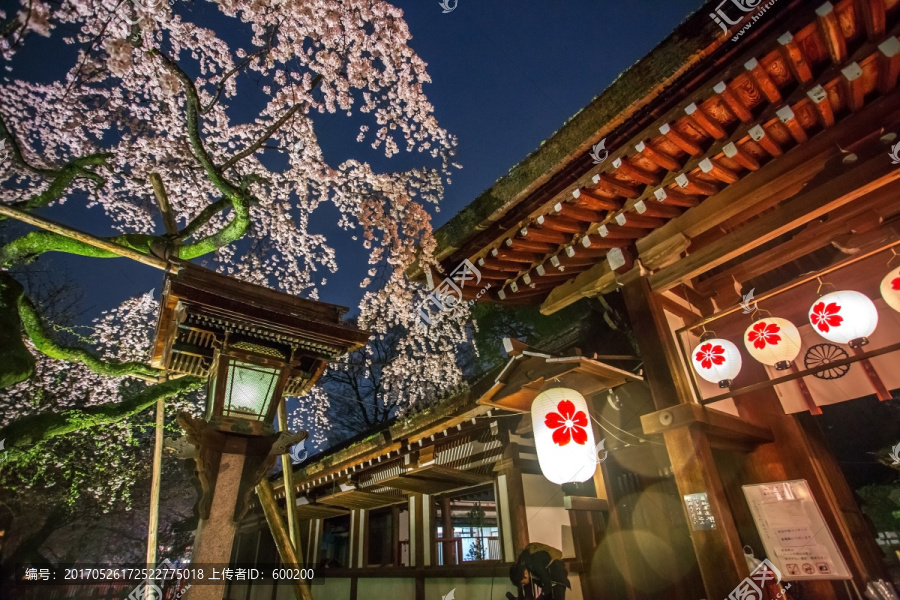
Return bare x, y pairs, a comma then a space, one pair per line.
710, 355
895, 283
567, 424
764, 334
824, 317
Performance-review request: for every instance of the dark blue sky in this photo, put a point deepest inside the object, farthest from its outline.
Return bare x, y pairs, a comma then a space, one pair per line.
506, 74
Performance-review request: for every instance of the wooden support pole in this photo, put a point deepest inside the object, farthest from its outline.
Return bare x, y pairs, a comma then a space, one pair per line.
153, 520
290, 555
86, 238
287, 470
162, 198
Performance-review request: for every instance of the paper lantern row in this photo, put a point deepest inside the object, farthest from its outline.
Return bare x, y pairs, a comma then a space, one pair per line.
844, 317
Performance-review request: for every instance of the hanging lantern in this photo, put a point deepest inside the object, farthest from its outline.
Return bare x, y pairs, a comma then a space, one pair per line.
890, 289
773, 341
716, 360
844, 317
563, 436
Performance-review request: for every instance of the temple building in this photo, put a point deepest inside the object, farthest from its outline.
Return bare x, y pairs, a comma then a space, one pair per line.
737, 192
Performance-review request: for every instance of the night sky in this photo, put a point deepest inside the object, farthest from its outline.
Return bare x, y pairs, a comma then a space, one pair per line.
506, 74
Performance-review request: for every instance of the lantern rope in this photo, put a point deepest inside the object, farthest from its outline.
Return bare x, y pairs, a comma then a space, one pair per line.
600, 425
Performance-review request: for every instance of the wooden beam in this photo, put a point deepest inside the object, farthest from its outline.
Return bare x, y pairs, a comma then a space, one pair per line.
86, 238
676, 198
567, 209
514, 256
802, 163
793, 56
816, 235
854, 83
874, 16
817, 200
535, 234
562, 224
596, 280
593, 201
763, 81
888, 64
679, 140
830, 30
290, 556
733, 102
658, 157
819, 98
703, 122
740, 156
520, 244
712, 421
615, 186
162, 199
640, 175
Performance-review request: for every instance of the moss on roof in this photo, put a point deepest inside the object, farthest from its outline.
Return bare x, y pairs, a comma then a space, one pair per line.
693, 39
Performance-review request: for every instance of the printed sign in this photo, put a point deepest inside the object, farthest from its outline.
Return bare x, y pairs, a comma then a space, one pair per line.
792, 529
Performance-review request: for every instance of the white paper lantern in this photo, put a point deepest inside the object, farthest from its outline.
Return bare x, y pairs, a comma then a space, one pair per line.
890, 289
563, 436
844, 317
773, 341
717, 360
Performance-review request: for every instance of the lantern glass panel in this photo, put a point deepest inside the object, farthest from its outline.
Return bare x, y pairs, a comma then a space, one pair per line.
249, 390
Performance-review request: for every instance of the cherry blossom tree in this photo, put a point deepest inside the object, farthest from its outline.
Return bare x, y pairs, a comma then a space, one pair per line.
150, 119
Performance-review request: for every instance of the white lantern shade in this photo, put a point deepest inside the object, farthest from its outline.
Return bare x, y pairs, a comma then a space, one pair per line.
844, 317
563, 436
717, 360
890, 289
773, 341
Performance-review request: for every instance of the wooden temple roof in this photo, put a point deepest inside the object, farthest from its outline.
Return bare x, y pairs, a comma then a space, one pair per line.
705, 134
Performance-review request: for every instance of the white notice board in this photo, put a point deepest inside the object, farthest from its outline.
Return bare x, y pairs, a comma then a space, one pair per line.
792, 529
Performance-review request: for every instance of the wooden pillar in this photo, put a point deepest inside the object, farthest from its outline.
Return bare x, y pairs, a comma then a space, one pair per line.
448, 549
215, 535
416, 537
718, 551
395, 536
511, 500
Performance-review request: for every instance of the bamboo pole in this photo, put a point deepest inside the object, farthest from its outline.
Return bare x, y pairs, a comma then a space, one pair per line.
153, 521
292, 557
86, 238
288, 472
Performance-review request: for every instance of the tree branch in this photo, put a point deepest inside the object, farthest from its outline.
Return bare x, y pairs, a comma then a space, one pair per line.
28, 431
35, 329
269, 132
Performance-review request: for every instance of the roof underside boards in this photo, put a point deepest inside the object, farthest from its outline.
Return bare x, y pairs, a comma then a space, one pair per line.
528, 374
801, 72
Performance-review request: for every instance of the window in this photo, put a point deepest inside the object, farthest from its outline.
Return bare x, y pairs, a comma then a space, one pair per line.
380, 536
335, 548
470, 521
